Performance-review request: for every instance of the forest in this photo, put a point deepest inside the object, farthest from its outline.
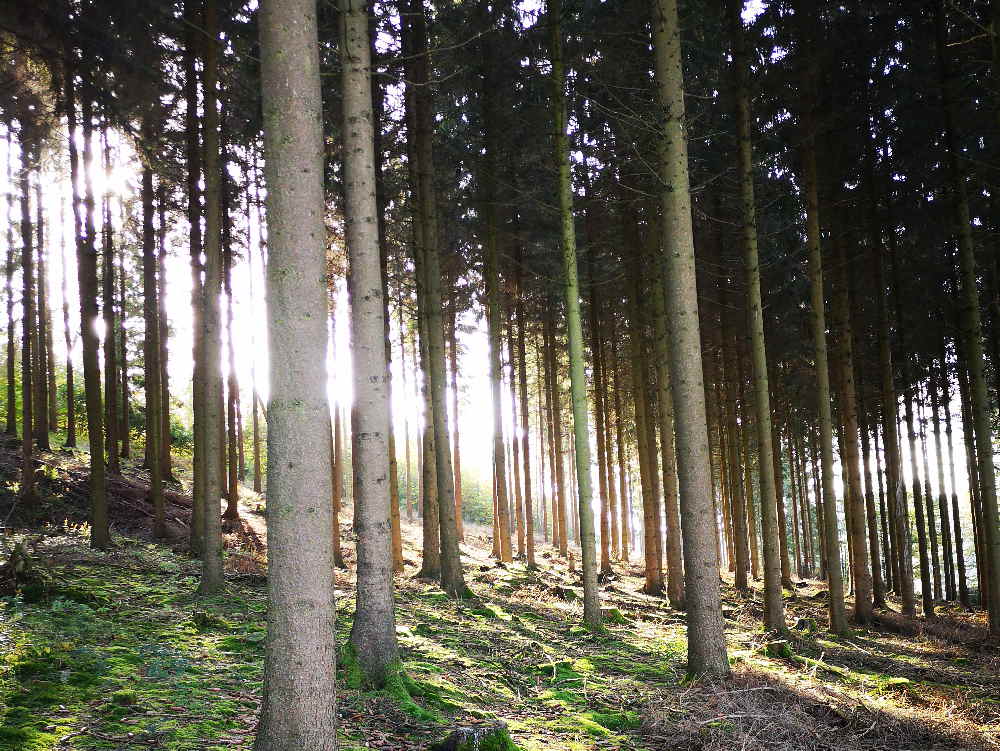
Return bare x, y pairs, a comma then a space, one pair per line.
499, 375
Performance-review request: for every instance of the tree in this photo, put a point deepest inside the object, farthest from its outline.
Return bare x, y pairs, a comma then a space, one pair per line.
706, 641
299, 704
774, 616
373, 633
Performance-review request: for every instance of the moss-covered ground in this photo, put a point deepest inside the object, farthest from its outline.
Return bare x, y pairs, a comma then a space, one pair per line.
119, 653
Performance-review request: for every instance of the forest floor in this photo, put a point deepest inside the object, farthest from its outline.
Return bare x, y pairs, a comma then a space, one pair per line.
113, 650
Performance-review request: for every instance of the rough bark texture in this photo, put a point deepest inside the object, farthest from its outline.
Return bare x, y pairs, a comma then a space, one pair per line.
774, 615
299, 704
151, 352
373, 633
574, 327
706, 641
972, 331
213, 428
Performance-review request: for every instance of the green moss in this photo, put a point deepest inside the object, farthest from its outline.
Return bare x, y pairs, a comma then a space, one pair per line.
616, 721
125, 698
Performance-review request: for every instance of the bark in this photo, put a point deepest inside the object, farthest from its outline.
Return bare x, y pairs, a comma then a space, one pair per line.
626, 517
108, 296
151, 343
668, 457
456, 449
963, 587
29, 160
166, 463
558, 461
232, 487
706, 641
213, 427
603, 476
972, 331
929, 500
11, 409
124, 425
373, 634
193, 44
46, 376
70, 440
574, 326
515, 445
854, 494
452, 578
86, 263
654, 584
942, 498
299, 704
838, 621
338, 483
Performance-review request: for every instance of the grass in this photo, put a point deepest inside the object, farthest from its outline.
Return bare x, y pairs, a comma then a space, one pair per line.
118, 652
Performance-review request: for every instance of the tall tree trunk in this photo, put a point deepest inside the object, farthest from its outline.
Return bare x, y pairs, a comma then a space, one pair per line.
522, 358
574, 326
929, 499
972, 332
232, 487
838, 621
47, 375
86, 264
193, 44
948, 557
338, 483
774, 616
213, 427
706, 641
166, 463
151, 342
456, 449
124, 426
963, 587
373, 635
11, 409
29, 160
604, 478
854, 495
70, 440
108, 311
626, 517
40, 412
668, 457
299, 705
452, 578
654, 584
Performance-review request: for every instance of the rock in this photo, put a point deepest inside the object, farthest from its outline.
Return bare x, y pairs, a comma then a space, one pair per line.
493, 737
779, 648
614, 615
566, 593
805, 624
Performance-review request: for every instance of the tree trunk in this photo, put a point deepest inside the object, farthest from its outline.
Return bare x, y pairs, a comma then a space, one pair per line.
706, 641
211, 329
299, 705
151, 342
774, 617
373, 636
452, 578
166, 463
39, 333
972, 332
848, 400
86, 264
108, 296
29, 160
194, 42
338, 483
456, 449
948, 558
963, 587
522, 358
11, 410
70, 440
838, 621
